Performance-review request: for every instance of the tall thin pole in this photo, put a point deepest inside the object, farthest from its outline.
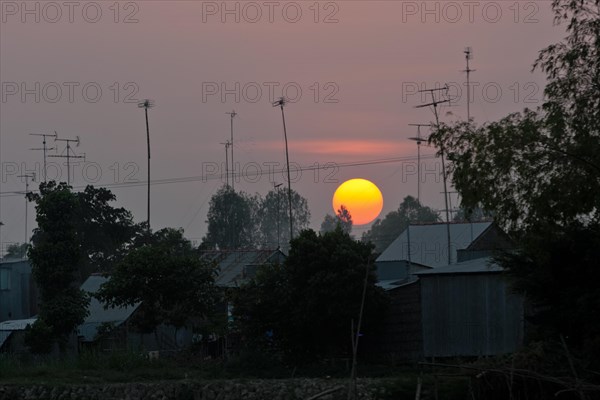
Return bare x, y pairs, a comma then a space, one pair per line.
435, 104
27, 177
146, 104
468, 56
232, 115
227, 144
44, 148
419, 139
356, 334
276, 186
281, 102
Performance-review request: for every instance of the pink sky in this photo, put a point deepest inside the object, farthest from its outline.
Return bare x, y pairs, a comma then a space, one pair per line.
356, 77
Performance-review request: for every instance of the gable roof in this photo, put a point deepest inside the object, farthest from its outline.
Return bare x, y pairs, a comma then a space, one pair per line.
477, 266
8, 327
97, 314
236, 266
429, 243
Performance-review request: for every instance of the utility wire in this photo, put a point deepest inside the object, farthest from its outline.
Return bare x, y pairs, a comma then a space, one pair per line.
166, 181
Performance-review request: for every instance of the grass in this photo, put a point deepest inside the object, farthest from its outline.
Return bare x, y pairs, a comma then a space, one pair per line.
397, 382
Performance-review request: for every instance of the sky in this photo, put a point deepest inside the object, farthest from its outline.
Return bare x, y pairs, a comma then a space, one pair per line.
351, 70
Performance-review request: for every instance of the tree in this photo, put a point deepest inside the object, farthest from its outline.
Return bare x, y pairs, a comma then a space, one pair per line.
384, 232
465, 214
543, 166
538, 171
305, 307
167, 277
55, 257
17, 250
558, 271
231, 220
342, 219
274, 211
106, 233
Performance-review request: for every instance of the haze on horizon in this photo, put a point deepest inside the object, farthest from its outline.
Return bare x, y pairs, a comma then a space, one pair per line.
80, 71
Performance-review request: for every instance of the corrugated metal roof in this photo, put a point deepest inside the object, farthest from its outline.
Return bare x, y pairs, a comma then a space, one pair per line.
429, 243
98, 314
8, 327
394, 284
233, 264
480, 265
16, 324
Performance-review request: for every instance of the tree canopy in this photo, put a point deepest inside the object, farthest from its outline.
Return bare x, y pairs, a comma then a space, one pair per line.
55, 256
343, 219
237, 220
539, 166
17, 250
167, 277
274, 210
538, 172
384, 232
231, 220
305, 307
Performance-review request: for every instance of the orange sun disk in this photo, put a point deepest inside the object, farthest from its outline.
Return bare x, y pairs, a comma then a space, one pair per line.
361, 197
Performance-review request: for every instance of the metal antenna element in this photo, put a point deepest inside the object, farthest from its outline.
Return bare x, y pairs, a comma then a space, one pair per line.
232, 115
68, 153
27, 178
147, 104
227, 144
44, 148
435, 103
281, 103
276, 186
419, 139
468, 56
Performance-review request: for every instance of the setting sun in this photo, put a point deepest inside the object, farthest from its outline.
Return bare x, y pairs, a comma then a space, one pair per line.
361, 197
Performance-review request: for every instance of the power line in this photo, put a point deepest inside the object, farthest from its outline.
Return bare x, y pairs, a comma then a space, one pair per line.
204, 178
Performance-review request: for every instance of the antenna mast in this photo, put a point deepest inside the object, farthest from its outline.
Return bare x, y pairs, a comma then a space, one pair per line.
44, 148
468, 56
419, 139
435, 102
232, 115
27, 177
68, 153
227, 144
146, 104
281, 103
276, 186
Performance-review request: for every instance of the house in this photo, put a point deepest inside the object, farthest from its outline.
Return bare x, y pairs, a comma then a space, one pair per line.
238, 266
467, 309
102, 320
18, 293
12, 335
437, 307
424, 246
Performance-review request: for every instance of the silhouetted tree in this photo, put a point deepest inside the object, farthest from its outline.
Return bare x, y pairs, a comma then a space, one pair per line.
232, 220
342, 219
167, 277
17, 250
274, 210
305, 307
55, 257
383, 232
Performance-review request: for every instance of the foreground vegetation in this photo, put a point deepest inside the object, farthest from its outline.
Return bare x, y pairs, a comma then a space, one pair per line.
392, 382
